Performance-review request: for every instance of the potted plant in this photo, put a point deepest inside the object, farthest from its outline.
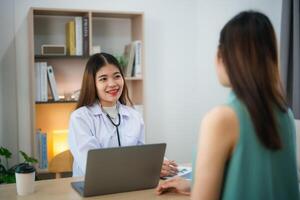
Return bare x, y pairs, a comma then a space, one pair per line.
7, 174
123, 61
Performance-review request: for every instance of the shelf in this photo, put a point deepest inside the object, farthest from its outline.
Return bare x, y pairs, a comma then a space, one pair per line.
117, 14
52, 101
59, 12
58, 57
111, 30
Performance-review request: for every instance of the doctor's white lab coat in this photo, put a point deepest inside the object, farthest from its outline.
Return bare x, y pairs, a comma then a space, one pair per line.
90, 128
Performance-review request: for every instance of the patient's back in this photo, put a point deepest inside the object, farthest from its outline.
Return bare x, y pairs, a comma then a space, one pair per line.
255, 172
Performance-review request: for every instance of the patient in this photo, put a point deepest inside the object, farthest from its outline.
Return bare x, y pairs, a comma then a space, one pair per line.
246, 147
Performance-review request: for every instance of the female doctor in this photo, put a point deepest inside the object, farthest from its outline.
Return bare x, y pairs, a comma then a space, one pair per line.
102, 118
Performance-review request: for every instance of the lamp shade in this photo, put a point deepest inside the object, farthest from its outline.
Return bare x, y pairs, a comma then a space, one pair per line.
60, 141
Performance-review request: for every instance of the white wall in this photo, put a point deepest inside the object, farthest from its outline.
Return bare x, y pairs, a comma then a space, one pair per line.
207, 39
211, 17
181, 38
8, 90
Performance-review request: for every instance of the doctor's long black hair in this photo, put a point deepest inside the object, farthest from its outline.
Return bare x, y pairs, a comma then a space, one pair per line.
248, 50
88, 91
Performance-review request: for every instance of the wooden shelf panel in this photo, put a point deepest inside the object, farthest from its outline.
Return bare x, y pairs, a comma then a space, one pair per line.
75, 12
58, 57
117, 14
59, 12
52, 101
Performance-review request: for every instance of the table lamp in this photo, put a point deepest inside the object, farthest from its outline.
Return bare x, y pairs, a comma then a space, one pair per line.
60, 141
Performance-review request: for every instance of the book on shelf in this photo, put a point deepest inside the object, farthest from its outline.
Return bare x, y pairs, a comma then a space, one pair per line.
137, 69
41, 149
85, 36
78, 36
129, 56
44, 85
41, 92
37, 82
70, 38
52, 83
133, 56
43, 74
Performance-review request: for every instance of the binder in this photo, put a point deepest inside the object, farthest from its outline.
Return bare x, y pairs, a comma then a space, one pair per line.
37, 82
43, 77
78, 36
52, 83
137, 58
41, 138
129, 55
85, 36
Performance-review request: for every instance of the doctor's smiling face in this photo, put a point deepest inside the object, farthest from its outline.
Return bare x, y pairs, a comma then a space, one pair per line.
103, 81
109, 84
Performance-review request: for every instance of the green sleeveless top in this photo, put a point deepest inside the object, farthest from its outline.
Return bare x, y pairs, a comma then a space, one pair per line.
255, 172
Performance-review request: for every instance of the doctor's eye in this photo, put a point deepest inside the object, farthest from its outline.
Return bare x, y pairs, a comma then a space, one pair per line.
102, 79
117, 76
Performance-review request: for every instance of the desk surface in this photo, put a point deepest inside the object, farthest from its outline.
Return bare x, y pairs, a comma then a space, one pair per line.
60, 189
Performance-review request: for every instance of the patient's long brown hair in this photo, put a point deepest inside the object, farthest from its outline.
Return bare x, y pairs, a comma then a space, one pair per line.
88, 91
248, 49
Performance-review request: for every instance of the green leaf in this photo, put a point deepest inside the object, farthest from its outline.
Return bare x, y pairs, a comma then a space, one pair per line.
27, 158
2, 169
9, 178
32, 160
123, 61
24, 155
5, 152
1, 179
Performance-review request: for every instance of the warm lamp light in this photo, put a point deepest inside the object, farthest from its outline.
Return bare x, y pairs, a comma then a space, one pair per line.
60, 141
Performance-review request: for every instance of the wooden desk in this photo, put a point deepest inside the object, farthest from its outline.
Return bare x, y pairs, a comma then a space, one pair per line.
60, 189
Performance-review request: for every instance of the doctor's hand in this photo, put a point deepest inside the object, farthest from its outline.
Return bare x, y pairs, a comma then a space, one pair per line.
169, 168
176, 184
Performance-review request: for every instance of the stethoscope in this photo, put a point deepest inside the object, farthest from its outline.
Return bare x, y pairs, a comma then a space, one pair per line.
116, 125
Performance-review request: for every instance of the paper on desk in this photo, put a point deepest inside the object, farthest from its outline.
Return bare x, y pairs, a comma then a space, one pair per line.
184, 172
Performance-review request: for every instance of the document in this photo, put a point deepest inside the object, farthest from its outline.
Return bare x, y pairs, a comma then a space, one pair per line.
184, 172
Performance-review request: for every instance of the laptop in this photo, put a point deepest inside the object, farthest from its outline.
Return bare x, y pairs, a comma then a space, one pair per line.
121, 169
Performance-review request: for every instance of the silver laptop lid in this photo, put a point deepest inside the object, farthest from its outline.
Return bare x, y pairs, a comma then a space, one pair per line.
123, 169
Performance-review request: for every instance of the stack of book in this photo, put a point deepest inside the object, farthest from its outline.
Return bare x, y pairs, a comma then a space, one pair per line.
77, 36
133, 56
41, 149
42, 71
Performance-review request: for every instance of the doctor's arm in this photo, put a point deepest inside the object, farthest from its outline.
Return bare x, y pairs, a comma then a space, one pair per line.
169, 168
81, 138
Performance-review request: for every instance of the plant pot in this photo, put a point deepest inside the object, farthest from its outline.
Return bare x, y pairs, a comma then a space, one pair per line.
25, 177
